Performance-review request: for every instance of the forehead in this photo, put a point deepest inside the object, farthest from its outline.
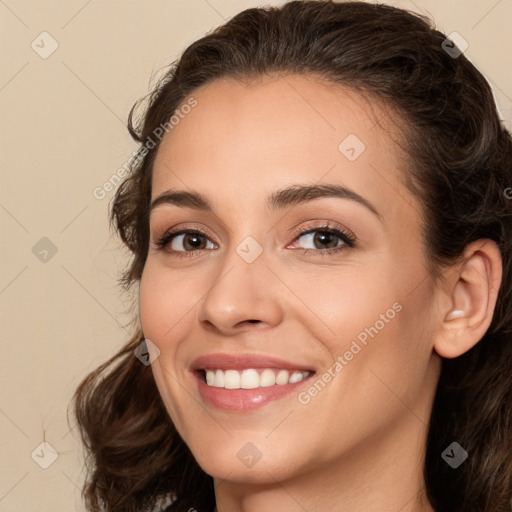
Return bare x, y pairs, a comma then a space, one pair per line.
259, 135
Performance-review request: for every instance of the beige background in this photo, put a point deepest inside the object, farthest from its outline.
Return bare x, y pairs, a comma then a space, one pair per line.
63, 134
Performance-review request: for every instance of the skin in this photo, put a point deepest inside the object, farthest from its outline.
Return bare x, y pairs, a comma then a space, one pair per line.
359, 442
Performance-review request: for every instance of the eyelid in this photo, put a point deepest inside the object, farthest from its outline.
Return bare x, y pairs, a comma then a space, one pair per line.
184, 228
345, 235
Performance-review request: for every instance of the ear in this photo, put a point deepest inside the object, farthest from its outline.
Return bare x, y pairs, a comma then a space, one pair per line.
469, 292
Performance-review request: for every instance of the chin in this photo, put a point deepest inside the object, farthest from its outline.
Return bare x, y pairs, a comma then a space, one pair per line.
241, 461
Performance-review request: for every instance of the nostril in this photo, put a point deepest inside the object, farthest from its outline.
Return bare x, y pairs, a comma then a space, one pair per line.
253, 321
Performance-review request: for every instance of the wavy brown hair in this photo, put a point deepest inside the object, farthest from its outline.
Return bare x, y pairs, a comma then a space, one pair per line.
460, 167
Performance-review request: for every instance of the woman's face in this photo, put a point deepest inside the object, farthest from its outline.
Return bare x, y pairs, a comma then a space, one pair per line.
346, 310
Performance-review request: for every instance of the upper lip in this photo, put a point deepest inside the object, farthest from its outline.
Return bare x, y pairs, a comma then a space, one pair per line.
244, 362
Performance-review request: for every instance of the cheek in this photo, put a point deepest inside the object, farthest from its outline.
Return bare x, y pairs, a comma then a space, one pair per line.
393, 351
152, 297
376, 318
165, 298
163, 308
348, 302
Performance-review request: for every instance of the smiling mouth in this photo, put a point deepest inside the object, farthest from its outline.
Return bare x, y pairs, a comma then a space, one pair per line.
251, 378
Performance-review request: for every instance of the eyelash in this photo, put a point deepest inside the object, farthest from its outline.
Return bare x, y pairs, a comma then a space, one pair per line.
346, 237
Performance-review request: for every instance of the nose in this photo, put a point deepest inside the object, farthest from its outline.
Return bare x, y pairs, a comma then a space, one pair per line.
243, 296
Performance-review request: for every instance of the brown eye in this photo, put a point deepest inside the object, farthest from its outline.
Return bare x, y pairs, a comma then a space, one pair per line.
185, 241
191, 241
323, 239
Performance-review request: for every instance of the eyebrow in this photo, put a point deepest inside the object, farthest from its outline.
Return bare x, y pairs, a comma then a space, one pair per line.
289, 196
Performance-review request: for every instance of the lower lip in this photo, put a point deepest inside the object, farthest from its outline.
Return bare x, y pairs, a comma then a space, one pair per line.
244, 399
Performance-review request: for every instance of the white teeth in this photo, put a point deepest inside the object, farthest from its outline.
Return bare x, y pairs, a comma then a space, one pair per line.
252, 379
295, 377
267, 378
249, 379
231, 379
282, 377
219, 379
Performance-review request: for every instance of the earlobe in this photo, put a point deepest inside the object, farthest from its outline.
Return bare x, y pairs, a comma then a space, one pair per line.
472, 292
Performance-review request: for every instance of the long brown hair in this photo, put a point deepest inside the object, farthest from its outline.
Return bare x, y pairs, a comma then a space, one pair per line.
460, 166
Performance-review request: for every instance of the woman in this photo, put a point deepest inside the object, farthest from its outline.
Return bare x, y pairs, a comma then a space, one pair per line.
321, 240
